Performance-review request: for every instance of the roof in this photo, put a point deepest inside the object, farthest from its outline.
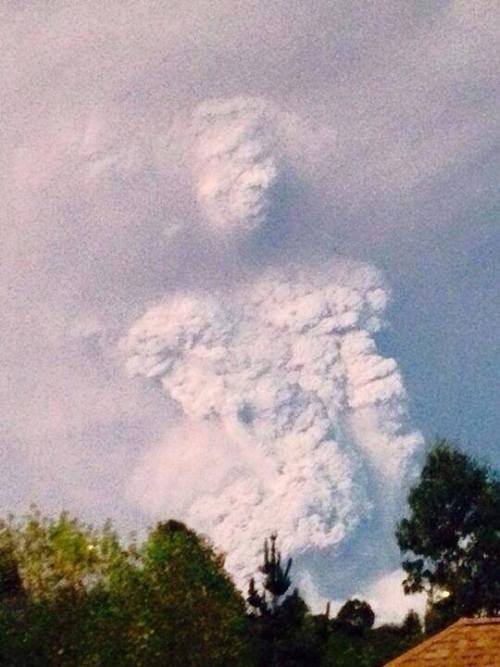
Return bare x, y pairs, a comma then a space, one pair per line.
470, 642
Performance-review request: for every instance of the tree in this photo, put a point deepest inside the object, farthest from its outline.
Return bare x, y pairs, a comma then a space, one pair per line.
280, 626
385, 642
356, 616
11, 586
73, 596
55, 554
276, 580
451, 538
412, 625
182, 608
53, 574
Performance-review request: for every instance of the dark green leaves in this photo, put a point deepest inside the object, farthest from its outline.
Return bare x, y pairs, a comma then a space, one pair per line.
451, 538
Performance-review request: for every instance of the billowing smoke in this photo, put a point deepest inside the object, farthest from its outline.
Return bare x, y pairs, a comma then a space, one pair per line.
288, 410
235, 164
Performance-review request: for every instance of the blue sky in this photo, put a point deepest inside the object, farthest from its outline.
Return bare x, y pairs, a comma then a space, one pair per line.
221, 222
445, 322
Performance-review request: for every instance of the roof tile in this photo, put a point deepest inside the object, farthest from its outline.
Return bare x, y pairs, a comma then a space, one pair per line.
470, 642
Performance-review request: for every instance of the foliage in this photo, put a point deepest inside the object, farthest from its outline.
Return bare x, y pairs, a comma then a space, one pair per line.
182, 607
412, 625
72, 595
452, 536
356, 616
280, 627
75, 596
11, 586
53, 555
372, 648
390, 640
276, 580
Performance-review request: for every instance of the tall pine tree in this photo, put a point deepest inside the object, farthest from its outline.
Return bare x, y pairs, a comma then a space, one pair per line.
279, 616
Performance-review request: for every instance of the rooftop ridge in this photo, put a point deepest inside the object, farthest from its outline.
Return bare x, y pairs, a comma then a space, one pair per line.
481, 620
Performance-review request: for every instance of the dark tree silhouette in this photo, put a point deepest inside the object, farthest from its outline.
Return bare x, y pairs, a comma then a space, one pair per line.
276, 580
279, 616
451, 537
11, 586
356, 616
412, 625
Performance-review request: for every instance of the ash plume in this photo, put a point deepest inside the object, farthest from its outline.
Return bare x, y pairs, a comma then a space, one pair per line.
287, 408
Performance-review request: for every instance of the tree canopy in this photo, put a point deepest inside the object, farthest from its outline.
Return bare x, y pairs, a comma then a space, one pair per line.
73, 595
451, 536
356, 616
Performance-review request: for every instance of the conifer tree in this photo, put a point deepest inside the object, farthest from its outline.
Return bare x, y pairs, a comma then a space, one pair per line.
276, 580
279, 616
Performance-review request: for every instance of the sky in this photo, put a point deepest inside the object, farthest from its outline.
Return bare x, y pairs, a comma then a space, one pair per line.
249, 265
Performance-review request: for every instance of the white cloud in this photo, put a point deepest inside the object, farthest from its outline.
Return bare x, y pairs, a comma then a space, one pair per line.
385, 595
235, 163
388, 601
286, 375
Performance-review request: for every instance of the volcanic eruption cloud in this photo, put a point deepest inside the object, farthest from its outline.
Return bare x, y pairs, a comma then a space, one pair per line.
290, 419
234, 164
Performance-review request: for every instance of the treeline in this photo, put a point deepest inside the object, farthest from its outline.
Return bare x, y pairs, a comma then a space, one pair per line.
73, 595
